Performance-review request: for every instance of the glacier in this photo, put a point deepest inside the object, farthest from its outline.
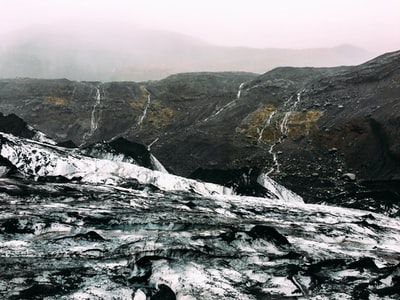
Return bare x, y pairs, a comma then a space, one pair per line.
39, 159
74, 226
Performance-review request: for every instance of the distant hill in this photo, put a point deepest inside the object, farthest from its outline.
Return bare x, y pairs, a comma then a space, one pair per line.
138, 55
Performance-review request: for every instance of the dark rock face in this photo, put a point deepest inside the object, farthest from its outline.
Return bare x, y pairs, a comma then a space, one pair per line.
164, 293
67, 144
268, 233
128, 151
15, 125
286, 122
243, 181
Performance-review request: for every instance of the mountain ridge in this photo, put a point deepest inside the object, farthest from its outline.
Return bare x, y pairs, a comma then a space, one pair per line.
305, 126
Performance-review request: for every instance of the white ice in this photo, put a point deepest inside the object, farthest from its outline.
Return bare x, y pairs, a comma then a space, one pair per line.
38, 160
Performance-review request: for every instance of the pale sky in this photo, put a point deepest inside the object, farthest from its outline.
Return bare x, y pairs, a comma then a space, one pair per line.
371, 24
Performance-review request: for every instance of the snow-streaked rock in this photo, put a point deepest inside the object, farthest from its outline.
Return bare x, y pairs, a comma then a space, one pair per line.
41, 160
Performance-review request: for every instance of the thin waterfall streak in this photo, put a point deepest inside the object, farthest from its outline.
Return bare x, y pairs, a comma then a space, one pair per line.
284, 124
95, 116
276, 166
73, 93
224, 107
152, 143
147, 105
267, 123
239, 91
229, 104
284, 129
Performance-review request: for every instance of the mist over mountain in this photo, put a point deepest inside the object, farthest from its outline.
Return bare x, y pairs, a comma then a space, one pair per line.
108, 54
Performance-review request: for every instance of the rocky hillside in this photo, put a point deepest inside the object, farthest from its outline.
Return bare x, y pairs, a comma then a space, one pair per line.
330, 134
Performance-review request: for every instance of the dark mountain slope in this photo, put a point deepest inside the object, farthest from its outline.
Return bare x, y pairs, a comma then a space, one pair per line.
308, 127
362, 117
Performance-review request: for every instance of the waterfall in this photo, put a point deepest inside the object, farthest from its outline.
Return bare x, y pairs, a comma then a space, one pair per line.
95, 114
73, 93
152, 143
229, 104
239, 91
284, 124
266, 125
276, 166
290, 106
147, 105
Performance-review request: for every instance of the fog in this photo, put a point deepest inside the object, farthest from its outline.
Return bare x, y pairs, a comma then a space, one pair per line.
142, 40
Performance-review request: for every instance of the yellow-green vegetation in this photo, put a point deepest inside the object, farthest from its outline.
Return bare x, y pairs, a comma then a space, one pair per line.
55, 100
301, 123
255, 121
157, 116
139, 103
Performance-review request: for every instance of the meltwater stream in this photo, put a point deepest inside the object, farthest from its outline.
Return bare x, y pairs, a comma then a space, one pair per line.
290, 107
229, 104
95, 114
146, 107
79, 227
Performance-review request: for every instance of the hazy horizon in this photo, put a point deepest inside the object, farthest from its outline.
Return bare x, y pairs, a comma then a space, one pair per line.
146, 40
290, 24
